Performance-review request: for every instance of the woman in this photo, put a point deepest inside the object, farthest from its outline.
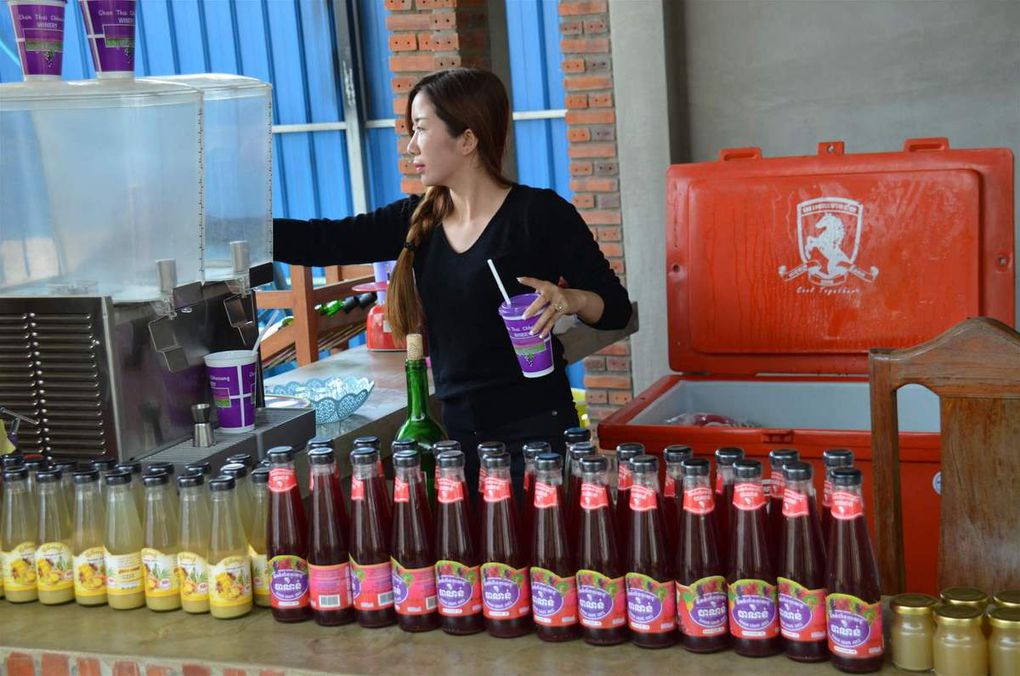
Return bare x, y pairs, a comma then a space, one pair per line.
442, 284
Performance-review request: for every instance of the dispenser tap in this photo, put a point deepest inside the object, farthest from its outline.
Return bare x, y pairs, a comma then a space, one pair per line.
240, 261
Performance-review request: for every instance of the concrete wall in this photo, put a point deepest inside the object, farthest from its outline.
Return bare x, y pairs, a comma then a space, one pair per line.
783, 75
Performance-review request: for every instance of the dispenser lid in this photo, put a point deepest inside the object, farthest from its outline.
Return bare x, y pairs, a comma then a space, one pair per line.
48, 94
803, 264
219, 85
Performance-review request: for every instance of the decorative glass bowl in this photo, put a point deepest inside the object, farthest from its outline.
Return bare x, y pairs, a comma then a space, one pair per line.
334, 399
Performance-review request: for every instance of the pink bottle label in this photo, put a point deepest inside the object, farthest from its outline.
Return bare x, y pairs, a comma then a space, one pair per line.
801, 611
330, 586
701, 607
506, 591
753, 610
854, 627
601, 600
651, 605
371, 586
553, 598
414, 589
459, 589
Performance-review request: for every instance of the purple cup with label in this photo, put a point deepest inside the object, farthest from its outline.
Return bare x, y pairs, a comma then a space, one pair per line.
232, 380
39, 32
534, 353
110, 26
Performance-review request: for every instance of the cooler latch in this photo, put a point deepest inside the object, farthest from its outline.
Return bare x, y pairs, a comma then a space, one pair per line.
777, 436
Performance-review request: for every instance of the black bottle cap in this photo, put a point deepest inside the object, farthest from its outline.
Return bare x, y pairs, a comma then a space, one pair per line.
677, 454
796, 470
104, 464
16, 473
86, 476
532, 449
364, 455
167, 467
48, 476
548, 462
368, 440
403, 445
644, 464
573, 435
315, 442
594, 463
629, 450
406, 459
837, 457
260, 475
190, 480
581, 449
36, 463
496, 460
222, 483
280, 455
134, 467
160, 479
846, 476
118, 478
67, 465
727, 455
450, 459
780, 456
234, 469
491, 447
445, 445
747, 469
695, 467
319, 455
203, 468
12, 460
246, 459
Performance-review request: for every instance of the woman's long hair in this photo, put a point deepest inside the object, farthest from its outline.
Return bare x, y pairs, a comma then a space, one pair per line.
464, 98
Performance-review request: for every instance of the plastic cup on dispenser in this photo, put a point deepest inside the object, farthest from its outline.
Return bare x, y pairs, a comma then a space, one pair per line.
39, 32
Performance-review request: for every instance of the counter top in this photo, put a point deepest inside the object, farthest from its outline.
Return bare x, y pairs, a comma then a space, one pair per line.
257, 642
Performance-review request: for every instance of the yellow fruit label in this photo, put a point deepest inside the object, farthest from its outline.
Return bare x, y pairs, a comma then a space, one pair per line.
194, 574
90, 573
19, 567
230, 582
259, 573
160, 573
54, 567
124, 573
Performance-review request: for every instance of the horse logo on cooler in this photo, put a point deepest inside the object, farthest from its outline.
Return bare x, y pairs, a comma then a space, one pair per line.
828, 240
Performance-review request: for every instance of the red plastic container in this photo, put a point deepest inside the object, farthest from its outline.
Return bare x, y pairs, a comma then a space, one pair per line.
783, 272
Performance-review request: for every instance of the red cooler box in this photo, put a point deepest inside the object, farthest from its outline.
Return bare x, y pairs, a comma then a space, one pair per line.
783, 272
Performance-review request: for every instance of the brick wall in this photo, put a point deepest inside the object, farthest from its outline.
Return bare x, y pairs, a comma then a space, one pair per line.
41, 663
427, 35
594, 173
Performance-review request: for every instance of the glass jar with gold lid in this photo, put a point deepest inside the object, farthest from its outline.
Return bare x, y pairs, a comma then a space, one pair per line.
960, 647
1007, 598
913, 631
965, 596
1004, 645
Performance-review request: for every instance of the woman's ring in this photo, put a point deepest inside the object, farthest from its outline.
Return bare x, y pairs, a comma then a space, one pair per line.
559, 308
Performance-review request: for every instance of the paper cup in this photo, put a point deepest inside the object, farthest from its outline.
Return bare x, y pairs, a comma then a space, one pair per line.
534, 354
110, 26
39, 31
232, 380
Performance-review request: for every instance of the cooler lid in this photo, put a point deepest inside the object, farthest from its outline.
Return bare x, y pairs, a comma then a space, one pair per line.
803, 264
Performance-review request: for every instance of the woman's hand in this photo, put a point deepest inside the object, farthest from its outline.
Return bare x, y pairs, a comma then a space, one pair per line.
554, 302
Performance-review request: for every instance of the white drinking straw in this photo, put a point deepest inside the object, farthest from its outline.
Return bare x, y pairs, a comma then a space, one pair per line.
502, 289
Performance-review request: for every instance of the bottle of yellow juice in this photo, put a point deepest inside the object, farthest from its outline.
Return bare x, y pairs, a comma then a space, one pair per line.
125, 579
54, 562
19, 537
159, 555
87, 542
192, 559
257, 536
230, 566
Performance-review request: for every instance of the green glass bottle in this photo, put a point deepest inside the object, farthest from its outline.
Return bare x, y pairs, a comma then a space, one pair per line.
420, 426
